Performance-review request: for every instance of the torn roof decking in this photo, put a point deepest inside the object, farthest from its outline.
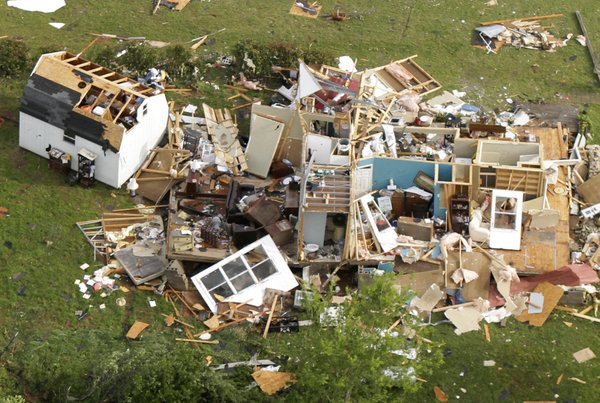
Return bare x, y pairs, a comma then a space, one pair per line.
68, 80
412, 77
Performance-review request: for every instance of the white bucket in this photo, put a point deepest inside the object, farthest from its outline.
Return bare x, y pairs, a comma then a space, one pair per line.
425, 120
311, 250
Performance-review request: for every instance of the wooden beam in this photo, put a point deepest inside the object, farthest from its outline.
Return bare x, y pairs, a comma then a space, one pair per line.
270, 316
541, 17
123, 108
589, 44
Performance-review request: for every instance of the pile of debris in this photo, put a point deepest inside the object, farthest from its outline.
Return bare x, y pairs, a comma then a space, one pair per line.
525, 33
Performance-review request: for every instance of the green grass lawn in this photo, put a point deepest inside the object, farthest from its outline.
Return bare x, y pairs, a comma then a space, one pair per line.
46, 247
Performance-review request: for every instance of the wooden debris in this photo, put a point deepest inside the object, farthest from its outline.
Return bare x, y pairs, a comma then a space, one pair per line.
176, 5
565, 308
170, 320
311, 10
552, 295
486, 329
199, 341
590, 318
213, 322
595, 62
272, 382
577, 380
270, 317
136, 329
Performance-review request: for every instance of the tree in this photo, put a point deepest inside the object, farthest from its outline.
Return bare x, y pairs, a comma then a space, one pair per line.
352, 356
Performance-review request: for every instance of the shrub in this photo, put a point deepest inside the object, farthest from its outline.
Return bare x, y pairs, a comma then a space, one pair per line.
93, 365
14, 58
140, 57
283, 54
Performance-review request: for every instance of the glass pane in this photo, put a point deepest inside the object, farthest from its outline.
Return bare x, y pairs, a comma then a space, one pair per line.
243, 281
234, 268
264, 270
379, 218
256, 255
223, 290
505, 213
213, 279
505, 221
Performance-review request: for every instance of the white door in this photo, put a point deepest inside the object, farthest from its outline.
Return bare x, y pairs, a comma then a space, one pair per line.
506, 217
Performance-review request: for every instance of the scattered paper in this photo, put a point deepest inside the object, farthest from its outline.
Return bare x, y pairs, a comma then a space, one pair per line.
84, 266
489, 363
57, 25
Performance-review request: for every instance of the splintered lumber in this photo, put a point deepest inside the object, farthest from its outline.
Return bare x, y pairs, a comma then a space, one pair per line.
270, 316
180, 298
223, 326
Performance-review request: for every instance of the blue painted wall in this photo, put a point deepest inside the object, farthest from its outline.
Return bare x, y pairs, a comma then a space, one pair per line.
403, 172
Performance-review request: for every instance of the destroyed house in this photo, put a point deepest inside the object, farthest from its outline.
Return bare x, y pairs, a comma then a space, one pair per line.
398, 185
73, 107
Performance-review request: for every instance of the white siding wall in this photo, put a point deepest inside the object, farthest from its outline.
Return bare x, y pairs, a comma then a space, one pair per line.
35, 135
146, 134
107, 166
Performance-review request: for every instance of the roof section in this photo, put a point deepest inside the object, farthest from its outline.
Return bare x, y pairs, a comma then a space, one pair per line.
91, 92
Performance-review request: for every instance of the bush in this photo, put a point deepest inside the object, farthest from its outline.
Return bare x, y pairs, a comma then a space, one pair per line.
283, 54
140, 57
352, 357
104, 56
14, 58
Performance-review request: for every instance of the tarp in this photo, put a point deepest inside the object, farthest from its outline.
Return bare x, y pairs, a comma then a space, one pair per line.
44, 6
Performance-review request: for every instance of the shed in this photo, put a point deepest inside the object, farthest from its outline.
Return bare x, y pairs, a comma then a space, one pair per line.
70, 104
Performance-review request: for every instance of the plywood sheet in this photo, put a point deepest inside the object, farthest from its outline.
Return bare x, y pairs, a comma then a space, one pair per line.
590, 190
419, 280
552, 295
136, 329
295, 10
272, 382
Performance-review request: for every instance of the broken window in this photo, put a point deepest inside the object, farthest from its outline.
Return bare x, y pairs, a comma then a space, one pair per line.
245, 275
